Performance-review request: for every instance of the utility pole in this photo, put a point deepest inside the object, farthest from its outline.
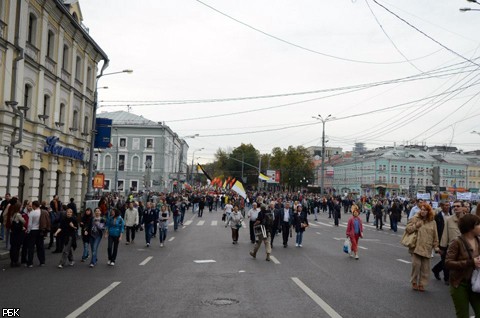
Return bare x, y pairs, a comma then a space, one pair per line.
322, 176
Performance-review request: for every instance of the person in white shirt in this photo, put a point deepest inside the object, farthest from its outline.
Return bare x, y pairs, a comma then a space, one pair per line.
252, 214
131, 221
415, 209
34, 237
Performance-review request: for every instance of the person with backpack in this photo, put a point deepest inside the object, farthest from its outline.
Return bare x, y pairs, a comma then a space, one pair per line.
265, 218
300, 222
355, 230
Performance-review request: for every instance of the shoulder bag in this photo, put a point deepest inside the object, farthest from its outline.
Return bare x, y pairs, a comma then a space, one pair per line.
409, 239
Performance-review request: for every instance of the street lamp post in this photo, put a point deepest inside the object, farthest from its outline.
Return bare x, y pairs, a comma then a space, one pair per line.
89, 194
116, 162
322, 176
181, 155
193, 157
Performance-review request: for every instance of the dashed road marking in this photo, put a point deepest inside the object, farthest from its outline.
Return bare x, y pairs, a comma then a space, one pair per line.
274, 259
363, 248
205, 261
188, 222
326, 307
403, 261
214, 223
93, 300
146, 261
171, 239
326, 224
200, 223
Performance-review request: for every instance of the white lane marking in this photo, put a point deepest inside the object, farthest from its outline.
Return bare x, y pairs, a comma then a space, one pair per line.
93, 300
318, 233
363, 248
140, 249
339, 239
183, 227
326, 307
370, 240
214, 223
200, 223
204, 261
146, 261
241, 271
367, 225
314, 225
171, 239
170, 224
274, 259
326, 224
188, 222
342, 225
403, 261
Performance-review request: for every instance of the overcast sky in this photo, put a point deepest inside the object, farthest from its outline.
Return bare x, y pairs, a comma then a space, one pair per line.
218, 49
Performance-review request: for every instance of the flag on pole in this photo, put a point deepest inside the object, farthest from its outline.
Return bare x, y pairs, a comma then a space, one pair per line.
263, 177
238, 187
200, 170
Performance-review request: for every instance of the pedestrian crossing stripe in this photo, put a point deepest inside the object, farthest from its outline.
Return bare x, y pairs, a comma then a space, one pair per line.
200, 223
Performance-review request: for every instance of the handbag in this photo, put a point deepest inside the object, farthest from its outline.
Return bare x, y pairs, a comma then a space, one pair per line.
409, 239
347, 246
475, 280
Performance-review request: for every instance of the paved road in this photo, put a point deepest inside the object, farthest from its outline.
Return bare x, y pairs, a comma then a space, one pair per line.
318, 280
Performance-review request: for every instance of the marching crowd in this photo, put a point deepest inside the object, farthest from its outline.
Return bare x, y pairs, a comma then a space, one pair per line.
452, 230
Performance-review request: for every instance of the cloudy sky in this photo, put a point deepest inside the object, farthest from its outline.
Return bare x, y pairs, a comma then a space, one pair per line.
389, 72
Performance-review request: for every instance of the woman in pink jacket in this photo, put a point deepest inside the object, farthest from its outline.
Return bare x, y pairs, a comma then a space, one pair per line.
355, 230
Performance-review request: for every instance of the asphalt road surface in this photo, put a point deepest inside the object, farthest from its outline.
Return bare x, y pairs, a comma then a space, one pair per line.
200, 273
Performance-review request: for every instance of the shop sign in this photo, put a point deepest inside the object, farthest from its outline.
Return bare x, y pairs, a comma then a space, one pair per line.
52, 148
98, 181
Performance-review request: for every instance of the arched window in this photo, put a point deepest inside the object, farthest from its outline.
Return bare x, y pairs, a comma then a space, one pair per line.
50, 44
85, 126
75, 120
89, 77
78, 68
32, 29
41, 186
46, 105
61, 116
27, 99
135, 163
65, 60
21, 183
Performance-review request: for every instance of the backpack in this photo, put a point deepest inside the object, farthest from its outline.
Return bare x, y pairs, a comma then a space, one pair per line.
268, 219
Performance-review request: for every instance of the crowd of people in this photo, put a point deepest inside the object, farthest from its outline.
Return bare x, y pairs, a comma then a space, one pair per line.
451, 230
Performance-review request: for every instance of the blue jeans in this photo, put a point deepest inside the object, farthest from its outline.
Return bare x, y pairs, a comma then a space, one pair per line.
85, 250
195, 207
394, 224
176, 220
299, 238
163, 234
148, 232
94, 243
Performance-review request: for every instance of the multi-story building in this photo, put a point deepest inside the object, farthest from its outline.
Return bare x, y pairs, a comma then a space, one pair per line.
145, 155
48, 64
402, 171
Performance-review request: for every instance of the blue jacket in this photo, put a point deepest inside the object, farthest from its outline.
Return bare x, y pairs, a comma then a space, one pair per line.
115, 227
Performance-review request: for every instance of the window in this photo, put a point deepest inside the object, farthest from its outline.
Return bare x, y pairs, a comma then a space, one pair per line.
149, 143
61, 115
106, 185
75, 120
148, 162
89, 77
27, 99
134, 185
85, 126
50, 44
78, 68
121, 185
65, 59
123, 143
121, 162
32, 29
46, 105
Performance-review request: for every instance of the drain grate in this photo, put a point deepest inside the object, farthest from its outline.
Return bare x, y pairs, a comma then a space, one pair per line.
221, 302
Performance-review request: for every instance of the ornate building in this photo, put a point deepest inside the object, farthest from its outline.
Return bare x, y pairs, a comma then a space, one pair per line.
48, 66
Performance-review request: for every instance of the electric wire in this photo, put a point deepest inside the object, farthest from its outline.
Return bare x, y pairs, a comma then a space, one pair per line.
303, 47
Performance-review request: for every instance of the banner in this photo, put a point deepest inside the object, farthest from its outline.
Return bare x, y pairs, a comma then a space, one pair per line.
98, 181
103, 126
274, 176
423, 196
467, 196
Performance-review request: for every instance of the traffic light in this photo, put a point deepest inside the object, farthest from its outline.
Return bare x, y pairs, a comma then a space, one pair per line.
436, 175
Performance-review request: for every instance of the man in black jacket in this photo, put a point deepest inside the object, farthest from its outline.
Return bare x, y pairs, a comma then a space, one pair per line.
336, 208
265, 217
440, 220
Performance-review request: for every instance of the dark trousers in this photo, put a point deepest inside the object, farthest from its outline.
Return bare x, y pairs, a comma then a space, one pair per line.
336, 217
130, 230
16, 240
200, 212
24, 250
112, 247
378, 221
252, 232
234, 234
440, 266
272, 235
35, 240
285, 232
148, 232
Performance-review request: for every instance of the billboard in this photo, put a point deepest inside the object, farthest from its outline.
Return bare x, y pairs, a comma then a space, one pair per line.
274, 176
103, 126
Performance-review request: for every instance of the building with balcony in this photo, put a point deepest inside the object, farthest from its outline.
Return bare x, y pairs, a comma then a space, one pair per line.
145, 155
48, 66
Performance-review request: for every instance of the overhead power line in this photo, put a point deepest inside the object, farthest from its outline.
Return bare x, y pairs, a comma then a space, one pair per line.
303, 47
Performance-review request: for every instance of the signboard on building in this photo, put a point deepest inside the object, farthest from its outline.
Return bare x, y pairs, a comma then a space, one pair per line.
464, 196
98, 181
52, 148
329, 171
423, 196
274, 176
103, 136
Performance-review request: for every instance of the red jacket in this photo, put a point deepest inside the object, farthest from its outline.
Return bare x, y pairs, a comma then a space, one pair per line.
351, 226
